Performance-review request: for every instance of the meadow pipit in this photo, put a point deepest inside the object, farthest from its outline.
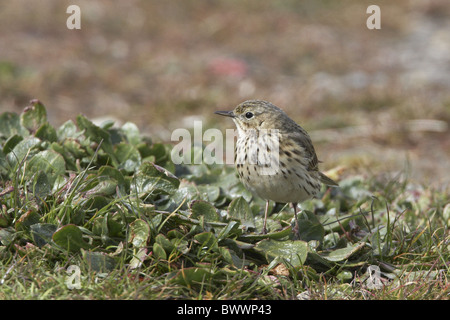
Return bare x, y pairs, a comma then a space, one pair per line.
274, 156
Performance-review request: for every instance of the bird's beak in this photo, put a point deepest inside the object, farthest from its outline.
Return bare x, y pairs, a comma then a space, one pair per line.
226, 113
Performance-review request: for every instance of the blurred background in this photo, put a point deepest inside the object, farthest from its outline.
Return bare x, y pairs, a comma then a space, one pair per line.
374, 101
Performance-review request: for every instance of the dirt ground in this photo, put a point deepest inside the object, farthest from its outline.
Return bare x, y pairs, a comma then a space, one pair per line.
374, 101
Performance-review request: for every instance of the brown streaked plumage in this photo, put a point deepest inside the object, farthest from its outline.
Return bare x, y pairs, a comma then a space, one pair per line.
275, 157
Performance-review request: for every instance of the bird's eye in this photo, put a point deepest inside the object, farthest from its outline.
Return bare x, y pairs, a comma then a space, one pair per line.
249, 115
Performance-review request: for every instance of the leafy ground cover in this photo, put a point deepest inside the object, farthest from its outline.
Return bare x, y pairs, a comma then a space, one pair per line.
372, 99
110, 203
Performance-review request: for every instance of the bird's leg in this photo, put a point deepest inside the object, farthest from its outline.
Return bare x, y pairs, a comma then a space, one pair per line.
296, 231
264, 230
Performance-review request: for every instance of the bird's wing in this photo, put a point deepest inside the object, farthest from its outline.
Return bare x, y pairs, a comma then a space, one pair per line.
302, 138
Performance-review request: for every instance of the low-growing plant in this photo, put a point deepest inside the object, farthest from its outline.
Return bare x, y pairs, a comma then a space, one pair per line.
110, 201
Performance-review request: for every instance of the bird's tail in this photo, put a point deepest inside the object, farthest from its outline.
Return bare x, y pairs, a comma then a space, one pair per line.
328, 181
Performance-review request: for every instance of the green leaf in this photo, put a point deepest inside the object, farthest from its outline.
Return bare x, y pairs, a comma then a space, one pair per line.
209, 193
98, 135
153, 179
10, 125
74, 147
139, 233
159, 252
226, 255
317, 262
309, 226
95, 133
190, 276
11, 143
46, 133
128, 156
158, 151
26, 220
5, 218
131, 131
114, 178
186, 190
7, 236
138, 258
331, 240
94, 203
206, 239
231, 186
231, 229
33, 116
67, 130
115, 224
49, 162
295, 252
27, 146
232, 258
164, 243
42, 233
345, 276
70, 238
111, 172
99, 261
3, 164
104, 186
41, 185
271, 235
344, 253
200, 208
181, 245
334, 223
240, 210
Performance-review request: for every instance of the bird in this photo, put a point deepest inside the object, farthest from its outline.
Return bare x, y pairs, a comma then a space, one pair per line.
274, 156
